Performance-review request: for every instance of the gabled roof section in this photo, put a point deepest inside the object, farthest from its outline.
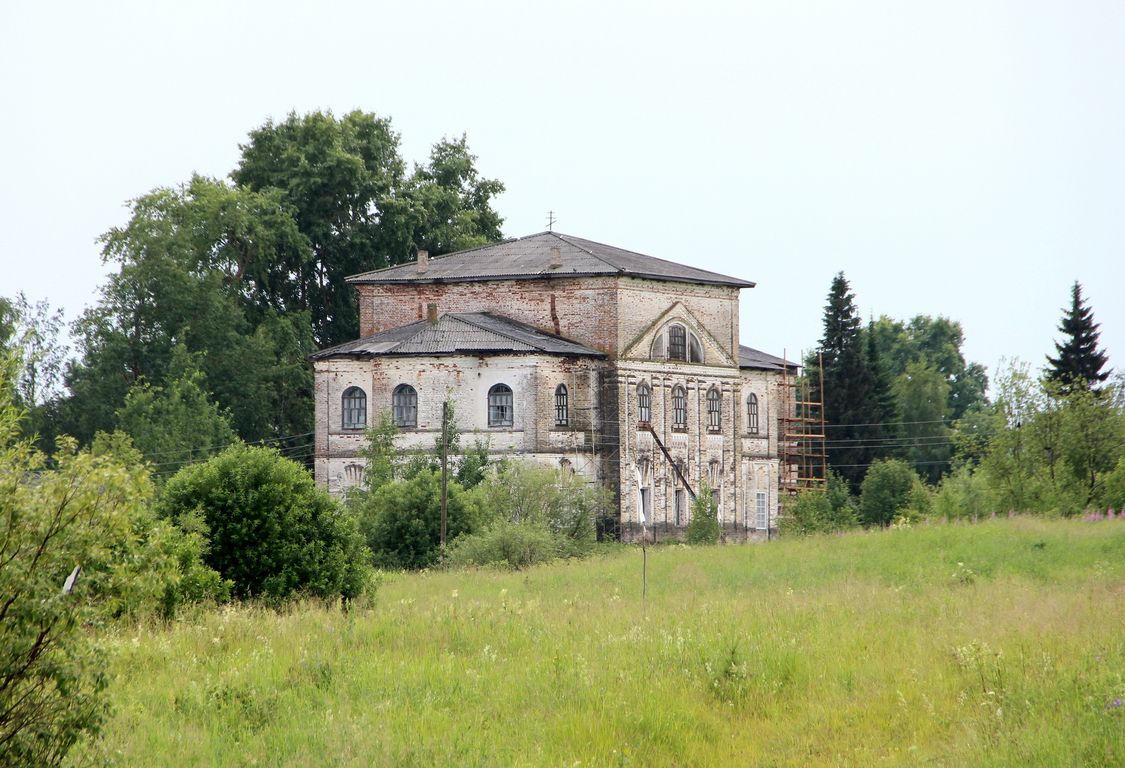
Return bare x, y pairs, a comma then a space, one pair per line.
531, 258
474, 333
754, 358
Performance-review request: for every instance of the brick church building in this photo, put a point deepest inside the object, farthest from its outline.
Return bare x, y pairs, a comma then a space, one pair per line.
621, 367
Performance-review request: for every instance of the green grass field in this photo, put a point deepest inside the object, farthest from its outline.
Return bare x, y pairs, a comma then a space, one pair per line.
995, 644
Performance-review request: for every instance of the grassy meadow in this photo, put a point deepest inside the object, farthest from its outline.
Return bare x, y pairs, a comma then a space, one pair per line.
997, 644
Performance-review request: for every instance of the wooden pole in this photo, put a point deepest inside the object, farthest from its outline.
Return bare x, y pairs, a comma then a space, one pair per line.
444, 472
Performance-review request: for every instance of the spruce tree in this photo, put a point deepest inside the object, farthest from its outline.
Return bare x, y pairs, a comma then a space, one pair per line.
854, 400
1079, 363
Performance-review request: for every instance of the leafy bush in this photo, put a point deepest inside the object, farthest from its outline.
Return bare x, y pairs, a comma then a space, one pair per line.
889, 489
78, 545
703, 528
506, 544
1113, 486
814, 511
534, 514
402, 520
963, 494
271, 531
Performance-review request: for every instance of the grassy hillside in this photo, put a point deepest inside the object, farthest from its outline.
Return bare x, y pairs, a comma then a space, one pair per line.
996, 644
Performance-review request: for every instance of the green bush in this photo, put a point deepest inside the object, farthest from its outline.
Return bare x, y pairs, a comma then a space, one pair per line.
88, 516
703, 528
888, 490
508, 545
815, 511
533, 514
402, 520
1113, 486
270, 530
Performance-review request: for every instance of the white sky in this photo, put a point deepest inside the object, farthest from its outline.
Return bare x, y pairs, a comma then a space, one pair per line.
956, 158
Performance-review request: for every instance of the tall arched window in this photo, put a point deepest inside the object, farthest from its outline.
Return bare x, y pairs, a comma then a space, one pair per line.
500, 406
714, 410
644, 403
354, 408
679, 407
752, 413
562, 406
404, 404
677, 343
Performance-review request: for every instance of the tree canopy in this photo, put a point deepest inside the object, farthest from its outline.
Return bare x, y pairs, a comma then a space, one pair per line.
248, 277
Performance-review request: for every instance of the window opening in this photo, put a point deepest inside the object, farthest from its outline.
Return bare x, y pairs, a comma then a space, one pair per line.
714, 410
677, 343
644, 403
679, 407
404, 406
354, 408
562, 406
500, 406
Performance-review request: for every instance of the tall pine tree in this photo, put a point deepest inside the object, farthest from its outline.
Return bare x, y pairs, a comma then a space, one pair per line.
1079, 363
856, 405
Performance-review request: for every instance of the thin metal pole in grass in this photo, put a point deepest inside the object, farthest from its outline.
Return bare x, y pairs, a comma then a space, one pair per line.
644, 559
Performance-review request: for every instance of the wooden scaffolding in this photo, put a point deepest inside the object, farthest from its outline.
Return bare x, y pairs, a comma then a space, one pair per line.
801, 443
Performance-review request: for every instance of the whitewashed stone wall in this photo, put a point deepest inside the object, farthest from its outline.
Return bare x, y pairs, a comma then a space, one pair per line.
466, 382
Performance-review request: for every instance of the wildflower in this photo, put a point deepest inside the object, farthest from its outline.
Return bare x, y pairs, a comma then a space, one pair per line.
1116, 703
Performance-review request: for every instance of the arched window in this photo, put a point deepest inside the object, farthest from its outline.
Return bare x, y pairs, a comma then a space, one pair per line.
500, 406
714, 410
562, 406
644, 403
677, 343
404, 403
679, 407
752, 413
355, 408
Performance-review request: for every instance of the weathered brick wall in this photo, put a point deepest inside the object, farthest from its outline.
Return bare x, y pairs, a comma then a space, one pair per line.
583, 310
466, 380
604, 313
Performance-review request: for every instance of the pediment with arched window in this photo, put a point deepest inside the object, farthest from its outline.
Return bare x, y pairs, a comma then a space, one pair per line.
678, 337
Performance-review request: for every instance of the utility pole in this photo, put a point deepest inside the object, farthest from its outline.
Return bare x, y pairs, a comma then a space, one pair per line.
444, 472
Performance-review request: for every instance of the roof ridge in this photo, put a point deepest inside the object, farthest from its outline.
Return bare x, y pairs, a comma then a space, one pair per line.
508, 336
565, 239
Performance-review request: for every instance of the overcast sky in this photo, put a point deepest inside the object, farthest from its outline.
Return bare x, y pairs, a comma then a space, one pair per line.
957, 158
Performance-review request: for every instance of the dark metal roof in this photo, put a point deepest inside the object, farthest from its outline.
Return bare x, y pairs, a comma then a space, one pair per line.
754, 358
530, 258
458, 333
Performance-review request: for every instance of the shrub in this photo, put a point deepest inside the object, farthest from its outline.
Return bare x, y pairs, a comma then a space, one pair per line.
402, 520
887, 491
78, 544
814, 511
534, 514
271, 531
703, 528
1113, 486
506, 544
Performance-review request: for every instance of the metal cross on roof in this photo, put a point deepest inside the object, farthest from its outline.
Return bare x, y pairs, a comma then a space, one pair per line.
551, 221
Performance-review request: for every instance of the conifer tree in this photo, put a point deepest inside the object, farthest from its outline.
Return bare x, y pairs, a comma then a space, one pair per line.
1079, 363
854, 404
